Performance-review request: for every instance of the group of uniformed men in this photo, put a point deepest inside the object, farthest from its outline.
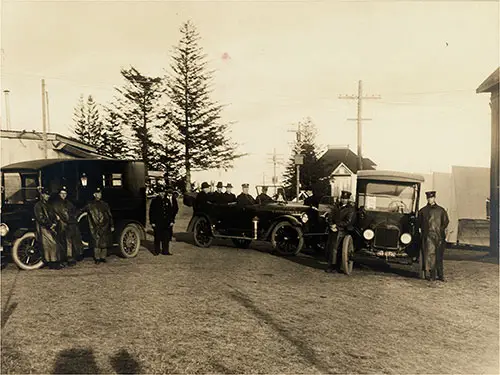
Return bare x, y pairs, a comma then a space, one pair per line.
58, 232
432, 221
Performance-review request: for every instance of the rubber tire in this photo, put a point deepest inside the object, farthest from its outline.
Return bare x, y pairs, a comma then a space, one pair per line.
421, 271
137, 232
283, 224
15, 256
347, 250
196, 240
241, 244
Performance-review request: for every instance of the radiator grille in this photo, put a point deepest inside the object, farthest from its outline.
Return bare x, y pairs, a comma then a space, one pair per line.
387, 238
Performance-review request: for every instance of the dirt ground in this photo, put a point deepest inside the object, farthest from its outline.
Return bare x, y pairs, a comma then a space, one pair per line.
227, 310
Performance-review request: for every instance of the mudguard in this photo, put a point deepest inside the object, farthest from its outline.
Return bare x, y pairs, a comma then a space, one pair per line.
190, 227
291, 219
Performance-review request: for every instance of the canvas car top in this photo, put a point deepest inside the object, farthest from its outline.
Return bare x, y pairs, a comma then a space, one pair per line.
389, 176
33, 165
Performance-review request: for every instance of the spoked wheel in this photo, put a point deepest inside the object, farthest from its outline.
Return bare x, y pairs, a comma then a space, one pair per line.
347, 255
287, 239
27, 253
202, 233
130, 241
241, 244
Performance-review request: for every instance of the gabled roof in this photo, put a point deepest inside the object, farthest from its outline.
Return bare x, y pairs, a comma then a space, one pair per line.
333, 157
491, 83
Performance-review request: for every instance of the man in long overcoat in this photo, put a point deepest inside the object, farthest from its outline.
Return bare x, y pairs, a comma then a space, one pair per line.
46, 222
100, 225
162, 213
433, 221
341, 220
69, 233
245, 199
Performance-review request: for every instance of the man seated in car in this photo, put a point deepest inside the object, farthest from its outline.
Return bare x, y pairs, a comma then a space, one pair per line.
263, 198
245, 199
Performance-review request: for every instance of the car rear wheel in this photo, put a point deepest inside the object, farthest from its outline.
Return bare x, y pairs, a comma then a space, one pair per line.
130, 241
202, 233
26, 252
241, 244
287, 239
347, 254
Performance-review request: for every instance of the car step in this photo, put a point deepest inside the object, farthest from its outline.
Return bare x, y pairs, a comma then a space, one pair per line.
233, 237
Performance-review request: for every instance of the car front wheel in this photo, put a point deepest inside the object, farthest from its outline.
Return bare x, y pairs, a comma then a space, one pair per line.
130, 241
26, 252
287, 239
202, 233
347, 254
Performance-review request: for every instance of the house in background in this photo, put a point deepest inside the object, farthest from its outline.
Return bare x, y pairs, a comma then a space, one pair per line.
464, 193
21, 145
341, 167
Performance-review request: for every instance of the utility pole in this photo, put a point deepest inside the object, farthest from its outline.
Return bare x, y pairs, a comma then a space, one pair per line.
7, 109
359, 119
48, 112
275, 159
44, 122
299, 158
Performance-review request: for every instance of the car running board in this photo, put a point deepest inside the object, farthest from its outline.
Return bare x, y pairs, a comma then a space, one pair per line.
233, 237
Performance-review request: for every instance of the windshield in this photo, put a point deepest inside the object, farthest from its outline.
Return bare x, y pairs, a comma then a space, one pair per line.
387, 197
19, 188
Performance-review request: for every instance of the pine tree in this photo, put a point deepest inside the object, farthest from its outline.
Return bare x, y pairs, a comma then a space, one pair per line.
81, 129
137, 105
115, 145
196, 118
312, 171
94, 125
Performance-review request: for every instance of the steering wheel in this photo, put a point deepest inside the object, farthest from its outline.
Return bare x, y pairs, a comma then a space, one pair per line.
398, 206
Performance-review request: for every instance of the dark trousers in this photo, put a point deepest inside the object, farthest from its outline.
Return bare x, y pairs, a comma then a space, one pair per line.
163, 235
333, 243
439, 262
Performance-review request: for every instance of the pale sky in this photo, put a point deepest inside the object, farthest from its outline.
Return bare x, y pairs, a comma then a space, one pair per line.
288, 60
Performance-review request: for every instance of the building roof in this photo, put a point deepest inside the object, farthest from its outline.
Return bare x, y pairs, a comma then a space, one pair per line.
491, 83
333, 157
390, 176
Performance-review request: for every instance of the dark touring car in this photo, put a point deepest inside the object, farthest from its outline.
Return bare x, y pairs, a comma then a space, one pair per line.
386, 225
288, 226
123, 185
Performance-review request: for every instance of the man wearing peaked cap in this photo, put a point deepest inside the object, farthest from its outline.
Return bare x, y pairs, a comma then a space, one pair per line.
341, 219
101, 226
245, 199
229, 196
162, 214
433, 221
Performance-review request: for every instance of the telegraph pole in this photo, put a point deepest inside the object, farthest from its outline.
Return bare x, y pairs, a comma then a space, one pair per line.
299, 158
44, 122
7, 109
48, 112
360, 118
275, 159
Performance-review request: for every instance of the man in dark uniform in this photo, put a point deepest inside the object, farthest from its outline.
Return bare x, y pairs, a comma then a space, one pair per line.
263, 198
341, 221
46, 222
162, 214
218, 196
69, 233
245, 199
433, 221
100, 225
229, 196
202, 198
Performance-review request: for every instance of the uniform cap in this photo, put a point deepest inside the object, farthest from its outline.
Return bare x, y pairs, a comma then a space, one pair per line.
205, 185
98, 190
345, 194
63, 188
244, 185
430, 194
44, 191
169, 189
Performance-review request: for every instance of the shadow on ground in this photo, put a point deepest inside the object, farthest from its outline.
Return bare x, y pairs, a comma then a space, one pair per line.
76, 361
123, 363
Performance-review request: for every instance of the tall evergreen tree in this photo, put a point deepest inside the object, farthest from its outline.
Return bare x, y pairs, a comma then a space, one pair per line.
137, 104
195, 117
88, 126
311, 172
80, 128
115, 145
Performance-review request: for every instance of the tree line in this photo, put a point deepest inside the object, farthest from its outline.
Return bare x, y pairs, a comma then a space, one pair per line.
170, 123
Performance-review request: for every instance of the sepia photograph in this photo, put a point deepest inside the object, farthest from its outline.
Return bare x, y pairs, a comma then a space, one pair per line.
250, 187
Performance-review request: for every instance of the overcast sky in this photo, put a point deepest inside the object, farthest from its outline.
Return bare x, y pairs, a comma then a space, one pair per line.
288, 60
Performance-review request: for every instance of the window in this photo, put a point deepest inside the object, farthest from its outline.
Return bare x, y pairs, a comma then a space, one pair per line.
12, 188
387, 197
112, 180
31, 188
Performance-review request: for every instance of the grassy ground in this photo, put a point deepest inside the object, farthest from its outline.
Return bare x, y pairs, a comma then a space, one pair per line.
226, 310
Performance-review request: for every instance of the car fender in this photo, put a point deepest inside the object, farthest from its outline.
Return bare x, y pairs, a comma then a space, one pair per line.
190, 227
291, 219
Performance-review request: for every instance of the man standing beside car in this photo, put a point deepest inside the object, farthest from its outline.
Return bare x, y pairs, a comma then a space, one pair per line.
162, 214
69, 233
100, 225
46, 221
341, 221
433, 221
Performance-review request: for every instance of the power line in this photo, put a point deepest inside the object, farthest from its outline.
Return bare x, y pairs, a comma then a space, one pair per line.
359, 98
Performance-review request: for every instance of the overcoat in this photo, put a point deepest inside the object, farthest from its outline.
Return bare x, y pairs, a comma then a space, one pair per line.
68, 230
45, 218
100, 223
433, 221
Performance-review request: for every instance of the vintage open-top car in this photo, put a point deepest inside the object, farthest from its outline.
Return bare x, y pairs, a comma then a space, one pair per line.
386, 224
287, 225
122, 183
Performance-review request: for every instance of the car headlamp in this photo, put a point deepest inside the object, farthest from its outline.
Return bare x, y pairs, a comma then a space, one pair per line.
368, 234
4, 229
405, 238
304, 218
